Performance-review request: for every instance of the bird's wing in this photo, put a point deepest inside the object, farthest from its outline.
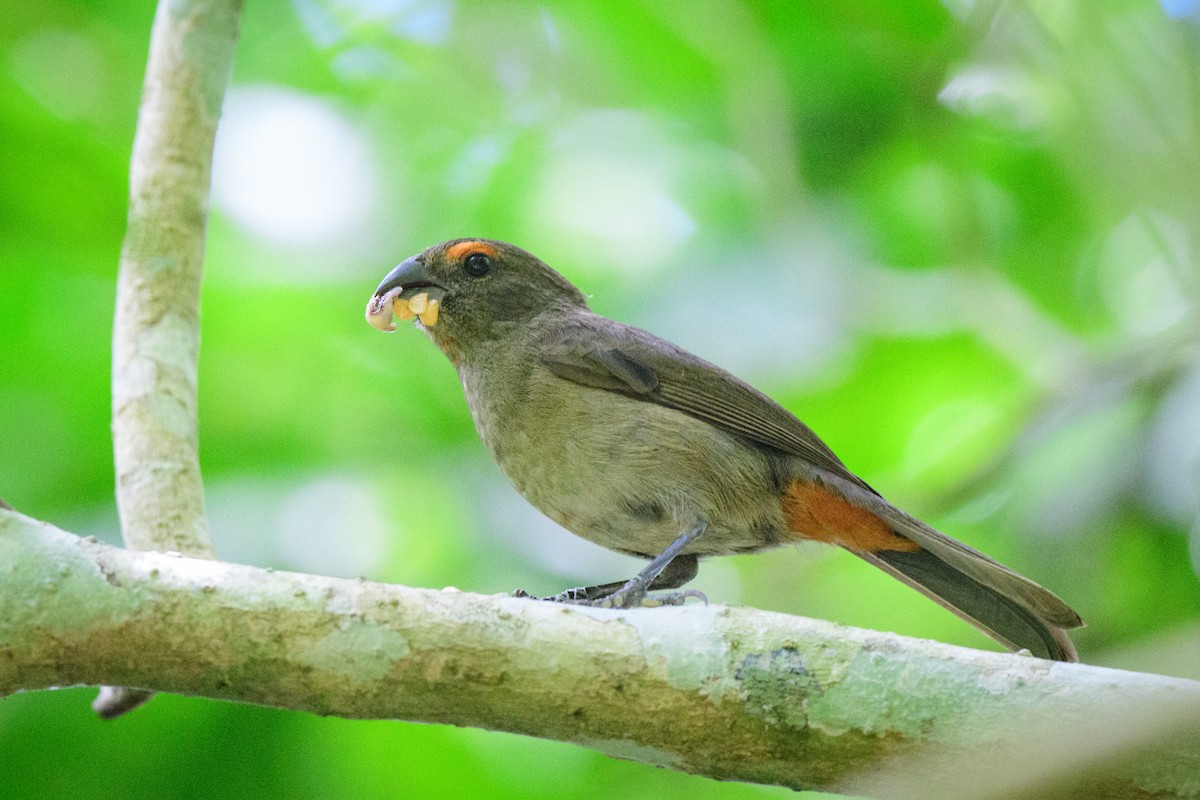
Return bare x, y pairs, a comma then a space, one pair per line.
594, 351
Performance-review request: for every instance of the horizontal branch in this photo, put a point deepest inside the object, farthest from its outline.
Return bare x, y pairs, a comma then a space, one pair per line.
726, 692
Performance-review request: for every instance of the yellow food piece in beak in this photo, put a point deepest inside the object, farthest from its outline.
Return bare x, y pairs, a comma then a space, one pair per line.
402, 308
429, 316
381, 309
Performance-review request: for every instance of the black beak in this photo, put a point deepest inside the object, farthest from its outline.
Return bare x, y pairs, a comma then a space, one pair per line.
409, 273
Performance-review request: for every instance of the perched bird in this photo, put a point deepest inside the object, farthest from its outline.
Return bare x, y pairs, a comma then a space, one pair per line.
633, 443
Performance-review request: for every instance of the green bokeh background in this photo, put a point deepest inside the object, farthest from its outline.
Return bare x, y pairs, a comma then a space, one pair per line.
960, 240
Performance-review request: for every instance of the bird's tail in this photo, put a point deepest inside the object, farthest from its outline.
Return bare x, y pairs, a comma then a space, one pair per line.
1007, 606
1010, 608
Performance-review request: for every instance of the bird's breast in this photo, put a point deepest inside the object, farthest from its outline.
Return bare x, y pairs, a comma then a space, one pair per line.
624, 473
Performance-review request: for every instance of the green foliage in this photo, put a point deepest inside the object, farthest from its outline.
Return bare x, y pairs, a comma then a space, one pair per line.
960, 240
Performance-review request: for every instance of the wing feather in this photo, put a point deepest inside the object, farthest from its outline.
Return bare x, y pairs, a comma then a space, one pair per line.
604, 354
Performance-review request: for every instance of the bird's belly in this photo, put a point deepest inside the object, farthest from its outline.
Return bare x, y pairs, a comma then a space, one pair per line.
632, 476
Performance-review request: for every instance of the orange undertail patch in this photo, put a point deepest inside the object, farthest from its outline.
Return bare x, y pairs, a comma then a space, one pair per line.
459, 251
819, 514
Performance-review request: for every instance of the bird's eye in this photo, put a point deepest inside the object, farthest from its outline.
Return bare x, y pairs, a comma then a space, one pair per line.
478, 264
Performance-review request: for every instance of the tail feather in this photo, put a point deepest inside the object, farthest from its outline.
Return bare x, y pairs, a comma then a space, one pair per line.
1006, 606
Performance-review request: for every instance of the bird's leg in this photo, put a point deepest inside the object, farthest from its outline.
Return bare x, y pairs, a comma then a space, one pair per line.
660, 573
677, 573
668, 570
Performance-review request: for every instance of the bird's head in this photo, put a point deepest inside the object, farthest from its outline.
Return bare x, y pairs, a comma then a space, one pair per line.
467, 291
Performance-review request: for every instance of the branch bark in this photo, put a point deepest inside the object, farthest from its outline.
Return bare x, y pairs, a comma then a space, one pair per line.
731, 693
156, 333
156, 336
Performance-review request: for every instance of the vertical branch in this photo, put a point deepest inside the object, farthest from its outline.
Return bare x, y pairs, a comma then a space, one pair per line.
156, 334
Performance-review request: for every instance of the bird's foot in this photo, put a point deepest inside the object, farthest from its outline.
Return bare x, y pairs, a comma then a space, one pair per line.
622, 599
578, 595
634, 593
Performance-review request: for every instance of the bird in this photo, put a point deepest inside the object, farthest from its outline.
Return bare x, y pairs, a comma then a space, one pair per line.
633, 443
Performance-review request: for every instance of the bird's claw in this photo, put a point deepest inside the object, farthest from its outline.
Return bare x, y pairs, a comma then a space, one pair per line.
673, 598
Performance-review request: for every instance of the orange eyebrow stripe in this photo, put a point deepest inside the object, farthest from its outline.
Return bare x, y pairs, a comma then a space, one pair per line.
461, 250
819, 514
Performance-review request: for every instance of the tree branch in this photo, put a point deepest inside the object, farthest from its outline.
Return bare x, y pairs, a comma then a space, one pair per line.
156, 333
725, 692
